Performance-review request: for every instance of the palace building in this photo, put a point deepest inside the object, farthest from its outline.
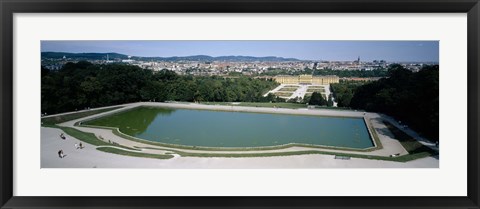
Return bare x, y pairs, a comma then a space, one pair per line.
307, 79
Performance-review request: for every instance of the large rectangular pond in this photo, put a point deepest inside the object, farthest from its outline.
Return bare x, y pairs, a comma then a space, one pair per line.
236, 129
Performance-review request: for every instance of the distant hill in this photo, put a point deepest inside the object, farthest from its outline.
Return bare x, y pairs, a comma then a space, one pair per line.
206, 58
88, 56
200, 58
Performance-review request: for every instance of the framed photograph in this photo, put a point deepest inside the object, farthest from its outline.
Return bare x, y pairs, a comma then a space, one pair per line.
196, 104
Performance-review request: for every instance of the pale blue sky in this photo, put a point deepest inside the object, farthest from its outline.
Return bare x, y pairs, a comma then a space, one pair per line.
393, 51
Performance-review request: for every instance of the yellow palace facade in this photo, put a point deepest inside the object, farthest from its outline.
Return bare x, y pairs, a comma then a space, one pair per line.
307, 79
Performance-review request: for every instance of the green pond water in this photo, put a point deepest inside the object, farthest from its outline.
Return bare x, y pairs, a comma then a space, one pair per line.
236, 129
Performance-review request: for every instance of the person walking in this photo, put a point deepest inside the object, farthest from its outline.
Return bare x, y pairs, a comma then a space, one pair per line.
60, 154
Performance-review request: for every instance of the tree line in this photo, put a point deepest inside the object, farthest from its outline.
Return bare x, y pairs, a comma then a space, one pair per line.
411, 97
343, 92
81, 85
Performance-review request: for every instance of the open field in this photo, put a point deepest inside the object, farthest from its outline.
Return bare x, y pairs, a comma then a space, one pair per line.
316, 87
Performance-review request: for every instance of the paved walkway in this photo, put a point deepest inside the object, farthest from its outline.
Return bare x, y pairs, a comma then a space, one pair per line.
391, 145
300, 92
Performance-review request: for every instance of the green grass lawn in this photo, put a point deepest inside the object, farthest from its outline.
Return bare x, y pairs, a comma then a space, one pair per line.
88, 138
404, 158
133, 154
283, 94
72, 116
288, 89
316, 90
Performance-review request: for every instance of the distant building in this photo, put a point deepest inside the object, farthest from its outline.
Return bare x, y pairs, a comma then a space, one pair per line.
128, 61
307, 79
361, 79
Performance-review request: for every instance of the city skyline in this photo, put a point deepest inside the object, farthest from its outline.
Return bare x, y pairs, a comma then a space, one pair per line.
392, 51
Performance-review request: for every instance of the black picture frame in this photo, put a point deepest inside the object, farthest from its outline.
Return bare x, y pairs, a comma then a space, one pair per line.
10, 7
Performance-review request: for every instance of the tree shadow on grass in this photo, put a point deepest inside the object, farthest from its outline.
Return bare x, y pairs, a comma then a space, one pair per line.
411, 145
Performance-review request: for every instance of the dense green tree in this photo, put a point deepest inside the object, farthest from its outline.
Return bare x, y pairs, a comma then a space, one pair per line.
343, 91
330, 101
317, 99
410, 97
